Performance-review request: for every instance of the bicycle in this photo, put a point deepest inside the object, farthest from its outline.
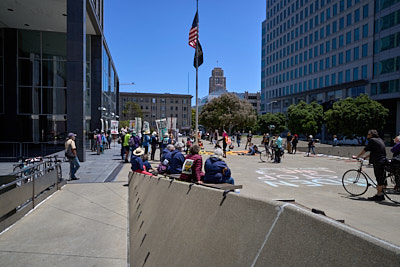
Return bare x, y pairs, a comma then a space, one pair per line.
356, 182
52, 162
266, 154
269, 154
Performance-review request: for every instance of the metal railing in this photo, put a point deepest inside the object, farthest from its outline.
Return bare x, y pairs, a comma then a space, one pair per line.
15, 150
22, 190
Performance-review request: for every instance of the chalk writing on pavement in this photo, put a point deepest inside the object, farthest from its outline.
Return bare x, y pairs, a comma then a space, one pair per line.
296, 177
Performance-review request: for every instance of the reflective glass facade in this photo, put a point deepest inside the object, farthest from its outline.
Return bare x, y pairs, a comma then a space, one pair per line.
37, 97
311, 48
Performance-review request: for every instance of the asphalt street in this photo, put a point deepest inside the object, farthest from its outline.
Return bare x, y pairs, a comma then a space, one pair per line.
314, 182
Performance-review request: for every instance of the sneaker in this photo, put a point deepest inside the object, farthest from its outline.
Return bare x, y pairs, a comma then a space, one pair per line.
377, 198
75, 178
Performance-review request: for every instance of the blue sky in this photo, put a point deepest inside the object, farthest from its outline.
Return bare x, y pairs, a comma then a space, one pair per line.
148, 41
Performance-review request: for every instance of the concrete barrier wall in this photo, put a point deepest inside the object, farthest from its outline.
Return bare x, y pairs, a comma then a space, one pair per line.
174, 224
341, 151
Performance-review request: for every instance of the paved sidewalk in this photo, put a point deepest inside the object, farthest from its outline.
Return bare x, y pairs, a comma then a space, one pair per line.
83, 224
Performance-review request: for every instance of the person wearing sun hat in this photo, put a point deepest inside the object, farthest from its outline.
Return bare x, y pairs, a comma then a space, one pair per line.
216, 169
137, 162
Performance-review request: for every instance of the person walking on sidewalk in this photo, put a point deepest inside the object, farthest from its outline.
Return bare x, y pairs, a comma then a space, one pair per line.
126, 144
311, 145
70, 152
154, 143
249, 137
278, 143
146, 141
238, 138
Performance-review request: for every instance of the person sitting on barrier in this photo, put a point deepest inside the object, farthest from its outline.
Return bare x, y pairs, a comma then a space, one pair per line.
216, 169
165, 159
137, 162
177, 159
147, 164
191, 170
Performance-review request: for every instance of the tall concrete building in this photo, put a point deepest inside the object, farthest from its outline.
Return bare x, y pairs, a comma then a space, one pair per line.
158, 106
328, 50
217, 81
56, 75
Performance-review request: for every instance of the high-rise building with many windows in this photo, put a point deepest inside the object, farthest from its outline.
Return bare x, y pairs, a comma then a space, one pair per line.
326, 50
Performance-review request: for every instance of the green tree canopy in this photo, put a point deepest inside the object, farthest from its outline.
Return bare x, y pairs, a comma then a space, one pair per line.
227, 112
277, 119
193, 118
305, 118
355, 116
132, 110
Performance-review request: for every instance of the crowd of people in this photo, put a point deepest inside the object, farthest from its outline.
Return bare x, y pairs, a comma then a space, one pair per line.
179, 158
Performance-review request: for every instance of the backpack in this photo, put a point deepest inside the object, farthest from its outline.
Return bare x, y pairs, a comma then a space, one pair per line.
132, 141
161, 168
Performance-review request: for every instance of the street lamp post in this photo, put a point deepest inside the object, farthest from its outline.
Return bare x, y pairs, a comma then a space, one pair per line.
270, 104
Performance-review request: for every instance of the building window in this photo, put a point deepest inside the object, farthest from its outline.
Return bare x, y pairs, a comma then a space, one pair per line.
356, 34
340, 58
348, 56
333, 60
347, 78
364, 73
365, 11
365, 31
355, 74
365, 50
348, 19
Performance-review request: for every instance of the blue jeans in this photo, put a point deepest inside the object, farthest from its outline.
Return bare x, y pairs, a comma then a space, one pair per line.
309, 150
74, 166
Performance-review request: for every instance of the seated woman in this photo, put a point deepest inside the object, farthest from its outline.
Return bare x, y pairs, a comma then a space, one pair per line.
147, 165
177, 159
216, 169
191, 170
137, 162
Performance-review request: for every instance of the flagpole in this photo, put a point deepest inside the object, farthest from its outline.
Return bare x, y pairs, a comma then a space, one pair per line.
197, 76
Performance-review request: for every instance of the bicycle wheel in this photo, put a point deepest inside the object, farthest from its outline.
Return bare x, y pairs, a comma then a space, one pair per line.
355, 182
59, 172
392, 190
263, 156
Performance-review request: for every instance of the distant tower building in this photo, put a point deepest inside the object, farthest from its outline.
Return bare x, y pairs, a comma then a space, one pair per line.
217, 81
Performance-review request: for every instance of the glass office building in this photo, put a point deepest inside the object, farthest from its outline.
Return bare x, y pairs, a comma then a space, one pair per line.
328, 50
56, 75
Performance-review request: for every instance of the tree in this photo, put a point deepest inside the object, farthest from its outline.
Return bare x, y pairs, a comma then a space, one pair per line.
228, 112
305, 118
193, 118
355, 116
277, 119
132, 110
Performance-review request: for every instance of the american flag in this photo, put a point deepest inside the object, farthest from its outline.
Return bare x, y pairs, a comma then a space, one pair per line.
194, 31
